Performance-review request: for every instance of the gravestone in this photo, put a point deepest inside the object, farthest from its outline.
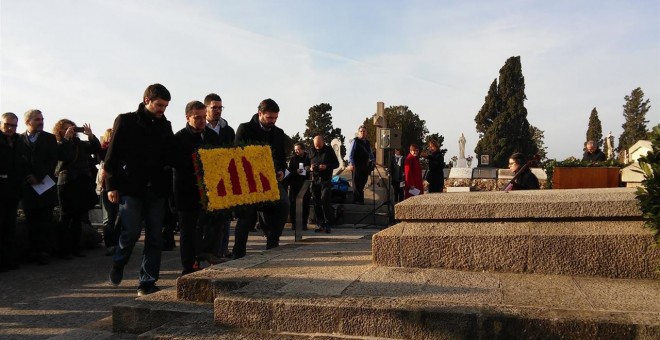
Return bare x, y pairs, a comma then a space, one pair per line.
460, 173
484, 173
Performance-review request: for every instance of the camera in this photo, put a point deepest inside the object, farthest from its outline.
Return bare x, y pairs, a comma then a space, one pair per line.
79, 129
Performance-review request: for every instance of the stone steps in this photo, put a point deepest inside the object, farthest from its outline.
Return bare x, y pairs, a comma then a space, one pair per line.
326, 289
616, 249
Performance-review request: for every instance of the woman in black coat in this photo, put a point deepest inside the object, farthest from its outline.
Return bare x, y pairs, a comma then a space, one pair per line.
436, 159
526, 180
75, 182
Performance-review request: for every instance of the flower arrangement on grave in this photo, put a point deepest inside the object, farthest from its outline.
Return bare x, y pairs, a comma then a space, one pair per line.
234, 177
454, 159
469, 158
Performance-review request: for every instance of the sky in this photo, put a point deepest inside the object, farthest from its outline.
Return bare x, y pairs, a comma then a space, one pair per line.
91, 60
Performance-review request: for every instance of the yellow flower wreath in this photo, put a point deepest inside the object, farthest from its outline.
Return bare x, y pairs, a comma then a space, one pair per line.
238, 176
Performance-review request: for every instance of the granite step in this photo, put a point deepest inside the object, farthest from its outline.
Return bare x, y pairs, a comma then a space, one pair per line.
335, 289
615, 249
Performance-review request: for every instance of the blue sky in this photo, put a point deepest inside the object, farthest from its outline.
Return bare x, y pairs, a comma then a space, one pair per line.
90, 60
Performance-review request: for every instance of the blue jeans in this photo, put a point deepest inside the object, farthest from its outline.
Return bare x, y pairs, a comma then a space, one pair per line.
275, 216
132, 212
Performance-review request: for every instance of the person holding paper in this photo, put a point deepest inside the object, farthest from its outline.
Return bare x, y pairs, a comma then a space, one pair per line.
298, 173
323, 160
413, 173
41, 156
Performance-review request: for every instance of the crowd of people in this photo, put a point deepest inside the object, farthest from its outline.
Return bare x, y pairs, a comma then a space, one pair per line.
146, 181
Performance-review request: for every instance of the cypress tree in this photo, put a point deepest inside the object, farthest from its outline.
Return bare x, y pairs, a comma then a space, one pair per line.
319, 122
509, 130
595, 129
634, 111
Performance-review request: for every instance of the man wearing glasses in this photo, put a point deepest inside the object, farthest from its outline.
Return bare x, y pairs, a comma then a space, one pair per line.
11, 176
216, 225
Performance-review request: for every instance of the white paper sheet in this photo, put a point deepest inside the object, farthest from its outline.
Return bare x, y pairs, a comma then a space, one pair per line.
45, 184
414, 191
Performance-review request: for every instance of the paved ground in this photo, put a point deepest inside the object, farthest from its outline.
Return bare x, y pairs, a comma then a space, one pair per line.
40, 302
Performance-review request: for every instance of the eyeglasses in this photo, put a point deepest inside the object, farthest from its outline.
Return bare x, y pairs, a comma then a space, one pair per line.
512, 163
217, 107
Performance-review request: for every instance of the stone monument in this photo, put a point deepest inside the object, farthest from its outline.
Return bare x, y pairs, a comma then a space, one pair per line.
461, 162
336, 146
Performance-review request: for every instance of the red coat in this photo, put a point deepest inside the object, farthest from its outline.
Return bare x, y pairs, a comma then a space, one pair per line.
413, 171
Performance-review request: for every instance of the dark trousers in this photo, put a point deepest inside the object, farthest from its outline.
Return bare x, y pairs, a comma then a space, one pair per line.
110, 227
293, 194
274, 216
69, 230
8, 209
39, 223
322, 196
397, 191
190, 237
212, 232
360, 176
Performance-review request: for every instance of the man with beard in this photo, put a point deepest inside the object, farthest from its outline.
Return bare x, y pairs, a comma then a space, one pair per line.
138, 177
261, 130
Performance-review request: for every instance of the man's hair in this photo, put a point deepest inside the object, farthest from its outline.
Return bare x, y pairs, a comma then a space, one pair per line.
57, 128
29, 113
434, 143
413, 146
194, 105
519, 158
268, 105
156, 91
9, 115
211, 97
591, 142
362, 127
299, 144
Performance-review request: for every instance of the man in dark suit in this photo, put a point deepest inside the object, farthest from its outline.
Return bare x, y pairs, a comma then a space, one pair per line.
396, 175
261, 130
41, 160
186, 192
323, 160
12, 175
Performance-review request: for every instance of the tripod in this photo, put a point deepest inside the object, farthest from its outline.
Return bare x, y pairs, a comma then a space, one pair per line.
387, 202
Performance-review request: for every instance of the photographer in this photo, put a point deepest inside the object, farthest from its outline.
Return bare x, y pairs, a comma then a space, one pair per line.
323, 160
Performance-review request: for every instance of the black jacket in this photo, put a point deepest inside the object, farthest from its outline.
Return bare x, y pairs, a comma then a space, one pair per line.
12, 168
251, 133
295, 180
227, 134
325, 156
74, 156
526, 181
41, 159
186, 190
597, 156
396, 169
140, 154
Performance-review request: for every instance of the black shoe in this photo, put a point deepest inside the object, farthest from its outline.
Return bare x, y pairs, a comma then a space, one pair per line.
116, 274
142, 291
319, 230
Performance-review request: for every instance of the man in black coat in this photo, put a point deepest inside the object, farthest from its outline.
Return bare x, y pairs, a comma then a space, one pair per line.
214, 223
396, 175
297, 177
41, 160
361, 161
12, 174
323, 160
186, 191
261, 130
593, 154
138, 177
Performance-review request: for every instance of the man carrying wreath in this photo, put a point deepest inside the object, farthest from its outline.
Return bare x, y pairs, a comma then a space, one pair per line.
261, 130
